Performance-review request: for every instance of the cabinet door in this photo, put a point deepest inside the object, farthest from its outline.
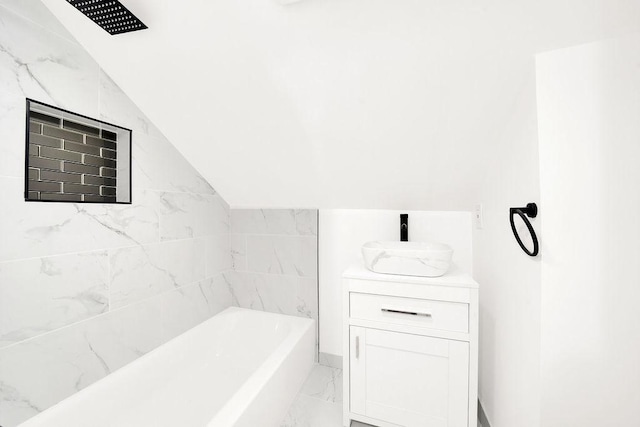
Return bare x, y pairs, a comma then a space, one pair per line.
409, 380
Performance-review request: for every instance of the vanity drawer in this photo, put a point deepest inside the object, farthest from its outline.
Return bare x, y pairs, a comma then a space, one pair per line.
448, 316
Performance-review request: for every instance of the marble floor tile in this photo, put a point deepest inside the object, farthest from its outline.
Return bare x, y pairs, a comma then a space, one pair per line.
319, 403
324, 383
331, 360
308, 411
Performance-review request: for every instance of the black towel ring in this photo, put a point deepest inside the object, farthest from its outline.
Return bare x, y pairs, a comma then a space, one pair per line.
531, 211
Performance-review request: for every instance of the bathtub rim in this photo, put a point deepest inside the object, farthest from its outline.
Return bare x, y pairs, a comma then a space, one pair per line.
237, 406
298, 327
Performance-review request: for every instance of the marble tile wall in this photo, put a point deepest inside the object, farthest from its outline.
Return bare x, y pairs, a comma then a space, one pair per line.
86, 289
275, 260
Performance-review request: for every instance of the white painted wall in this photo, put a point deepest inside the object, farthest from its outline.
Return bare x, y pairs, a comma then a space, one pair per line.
343, 231
296, 99
509, 279
589, 123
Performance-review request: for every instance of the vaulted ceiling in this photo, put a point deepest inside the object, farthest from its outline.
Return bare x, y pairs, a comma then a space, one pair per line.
340, 103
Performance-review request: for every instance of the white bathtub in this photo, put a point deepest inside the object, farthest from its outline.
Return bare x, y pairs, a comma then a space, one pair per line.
239, 368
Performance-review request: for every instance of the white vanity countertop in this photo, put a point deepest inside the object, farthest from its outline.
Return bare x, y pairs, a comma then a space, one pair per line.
453, 278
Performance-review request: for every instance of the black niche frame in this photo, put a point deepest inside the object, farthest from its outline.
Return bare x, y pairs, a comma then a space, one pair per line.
62, 110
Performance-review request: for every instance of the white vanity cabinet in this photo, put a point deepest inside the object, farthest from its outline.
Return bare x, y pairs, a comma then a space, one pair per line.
410, 349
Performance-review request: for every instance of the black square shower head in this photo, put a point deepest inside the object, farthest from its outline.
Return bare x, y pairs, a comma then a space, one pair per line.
110, 15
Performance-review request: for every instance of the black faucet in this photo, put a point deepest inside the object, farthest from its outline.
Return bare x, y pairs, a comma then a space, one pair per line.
404, 227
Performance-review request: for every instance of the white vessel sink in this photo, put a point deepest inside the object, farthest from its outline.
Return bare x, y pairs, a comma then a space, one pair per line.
407, 258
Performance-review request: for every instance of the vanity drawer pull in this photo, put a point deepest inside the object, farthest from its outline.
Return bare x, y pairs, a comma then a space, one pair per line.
432, 314
411, 313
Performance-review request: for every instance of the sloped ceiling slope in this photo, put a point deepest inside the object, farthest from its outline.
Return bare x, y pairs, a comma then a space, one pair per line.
339, 103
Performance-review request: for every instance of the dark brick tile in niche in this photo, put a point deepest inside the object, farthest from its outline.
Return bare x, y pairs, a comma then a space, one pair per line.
97, 142
63, 134
34, 174
109, 154
81, 189
35, 127
61, 197
99, 161
45, 140
95, 180
108, 191
111, 136
38, 162
60, 176
33, 195
81, 148
90, 198
74, 167
34, 150
51, 187
44, 118
53, 153
80, 128
108, 172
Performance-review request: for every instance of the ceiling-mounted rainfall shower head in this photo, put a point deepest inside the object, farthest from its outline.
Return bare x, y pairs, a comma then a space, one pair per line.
110, 15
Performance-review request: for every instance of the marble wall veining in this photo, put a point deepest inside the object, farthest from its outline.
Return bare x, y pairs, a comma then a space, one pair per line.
86, 289
275, 260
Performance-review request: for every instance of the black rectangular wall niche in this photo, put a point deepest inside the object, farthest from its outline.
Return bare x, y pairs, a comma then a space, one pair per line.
74, 158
